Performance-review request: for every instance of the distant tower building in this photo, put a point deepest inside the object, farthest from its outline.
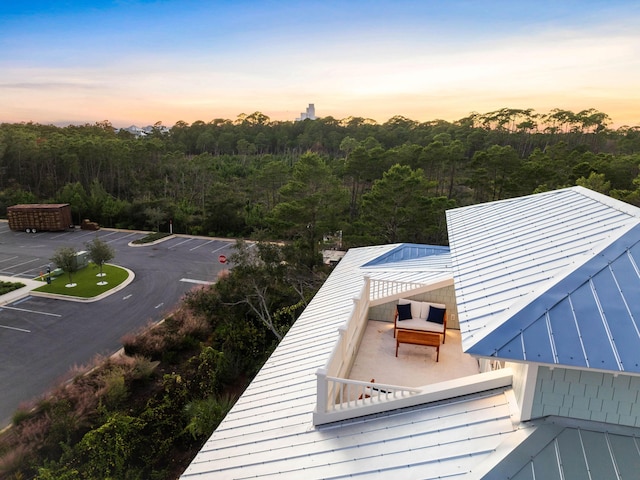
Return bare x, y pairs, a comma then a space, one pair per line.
309, 114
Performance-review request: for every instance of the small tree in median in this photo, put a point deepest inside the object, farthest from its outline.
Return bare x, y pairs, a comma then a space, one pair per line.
99, 253
65, 258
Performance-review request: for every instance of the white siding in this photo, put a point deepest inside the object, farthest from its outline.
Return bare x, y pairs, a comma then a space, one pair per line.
588, 395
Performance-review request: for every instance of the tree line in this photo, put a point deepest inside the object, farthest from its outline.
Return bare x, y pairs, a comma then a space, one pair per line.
301, 181
298, 181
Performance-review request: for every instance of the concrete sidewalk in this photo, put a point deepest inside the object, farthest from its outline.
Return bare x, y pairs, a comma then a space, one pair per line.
21, 292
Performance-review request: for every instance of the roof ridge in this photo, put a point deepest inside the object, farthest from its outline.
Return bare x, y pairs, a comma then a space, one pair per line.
521, 318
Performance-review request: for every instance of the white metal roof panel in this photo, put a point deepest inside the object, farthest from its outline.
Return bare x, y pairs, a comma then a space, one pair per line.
590, 318
269, 431
429, 442
513, 261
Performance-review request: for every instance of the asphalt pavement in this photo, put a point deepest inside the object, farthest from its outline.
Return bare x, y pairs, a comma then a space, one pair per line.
43, 339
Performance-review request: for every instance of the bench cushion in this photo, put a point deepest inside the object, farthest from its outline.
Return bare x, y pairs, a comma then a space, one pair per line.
416, 307
420, 309
404, 312
436, 314
425, 316
421, 324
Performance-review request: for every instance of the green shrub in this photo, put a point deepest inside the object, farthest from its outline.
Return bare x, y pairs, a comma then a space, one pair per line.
152, 237
114, 390
112, 450
20, 415
143, 368
205, 415
6, 287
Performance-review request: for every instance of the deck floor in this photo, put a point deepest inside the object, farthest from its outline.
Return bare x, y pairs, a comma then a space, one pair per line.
415, 365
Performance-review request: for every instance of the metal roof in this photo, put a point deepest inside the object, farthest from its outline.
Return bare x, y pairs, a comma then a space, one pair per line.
269, 432
550, 278
561, 448
412, 251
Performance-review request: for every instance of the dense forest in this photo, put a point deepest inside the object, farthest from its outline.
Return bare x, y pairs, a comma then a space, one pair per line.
301, 181
145, 414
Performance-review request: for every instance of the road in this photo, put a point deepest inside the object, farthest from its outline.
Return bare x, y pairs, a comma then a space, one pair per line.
42, 339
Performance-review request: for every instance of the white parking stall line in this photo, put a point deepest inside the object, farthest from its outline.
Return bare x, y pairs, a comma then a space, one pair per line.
123, 237
29, 273
30, 311
24, 263
201, 245
89, 232
159, 305
21, 300
180, 243
8, 259
221, 248
199, 282
15, 328
33, 272
62, 235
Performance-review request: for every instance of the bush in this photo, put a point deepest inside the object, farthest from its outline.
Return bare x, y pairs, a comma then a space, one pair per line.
6, 287
181, 331
112, 450
114, 391
205, 415
152, 237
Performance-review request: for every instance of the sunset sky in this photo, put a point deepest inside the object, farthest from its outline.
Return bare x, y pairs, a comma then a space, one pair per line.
143, 61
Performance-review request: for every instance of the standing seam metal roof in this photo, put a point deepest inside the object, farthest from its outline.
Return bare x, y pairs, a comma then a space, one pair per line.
561, 448
269, 432
550, 278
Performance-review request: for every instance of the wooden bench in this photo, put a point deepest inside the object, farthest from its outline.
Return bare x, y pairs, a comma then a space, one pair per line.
420, 323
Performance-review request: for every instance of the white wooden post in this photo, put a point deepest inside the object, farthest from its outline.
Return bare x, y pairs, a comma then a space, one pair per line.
366, 289
322, 392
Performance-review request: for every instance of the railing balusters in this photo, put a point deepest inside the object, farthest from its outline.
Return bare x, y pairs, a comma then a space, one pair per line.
354, 393
329, 378
387, 288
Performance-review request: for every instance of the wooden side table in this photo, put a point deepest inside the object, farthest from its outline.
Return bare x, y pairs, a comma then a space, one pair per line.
418, 337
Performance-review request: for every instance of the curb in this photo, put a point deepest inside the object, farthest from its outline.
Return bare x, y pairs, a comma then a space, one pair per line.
32, 284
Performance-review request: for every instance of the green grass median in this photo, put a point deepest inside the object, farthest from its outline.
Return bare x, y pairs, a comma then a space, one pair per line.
86, 281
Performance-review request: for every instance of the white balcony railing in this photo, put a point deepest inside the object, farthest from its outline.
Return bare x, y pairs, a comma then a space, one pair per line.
333, 386
390, 290
490, 364
355, 393
355, 398
339, 398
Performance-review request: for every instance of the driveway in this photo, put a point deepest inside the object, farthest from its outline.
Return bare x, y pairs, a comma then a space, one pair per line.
41, 339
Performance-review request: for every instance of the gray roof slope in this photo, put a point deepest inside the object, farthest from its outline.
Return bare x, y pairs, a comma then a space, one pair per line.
550, 278
269, 431
561, 448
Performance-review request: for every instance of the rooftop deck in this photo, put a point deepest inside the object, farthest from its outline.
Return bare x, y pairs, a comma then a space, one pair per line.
415, 365
363, 376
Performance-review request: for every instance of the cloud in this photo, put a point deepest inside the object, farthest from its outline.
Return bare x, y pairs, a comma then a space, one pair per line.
48, 86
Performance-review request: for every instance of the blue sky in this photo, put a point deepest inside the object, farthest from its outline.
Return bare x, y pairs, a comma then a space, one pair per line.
140, 62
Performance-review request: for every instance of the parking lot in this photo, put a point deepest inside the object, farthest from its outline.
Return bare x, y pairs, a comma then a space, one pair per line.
42, 338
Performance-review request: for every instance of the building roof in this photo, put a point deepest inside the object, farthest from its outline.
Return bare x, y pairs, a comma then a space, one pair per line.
269, 433
563, 448
549, 278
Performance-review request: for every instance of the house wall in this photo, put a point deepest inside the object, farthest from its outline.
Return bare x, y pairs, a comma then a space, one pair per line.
444, 295
587, 395
519, 380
